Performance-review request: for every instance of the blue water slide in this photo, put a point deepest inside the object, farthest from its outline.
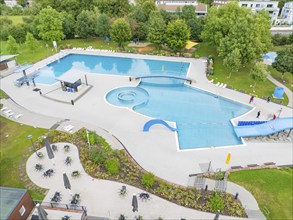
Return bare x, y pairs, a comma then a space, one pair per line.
152, 122
267, 128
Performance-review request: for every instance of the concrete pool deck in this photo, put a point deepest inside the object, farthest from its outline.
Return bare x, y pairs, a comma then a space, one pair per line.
159, 144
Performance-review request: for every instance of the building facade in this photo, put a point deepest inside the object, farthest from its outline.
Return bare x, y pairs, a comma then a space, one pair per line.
176, 2
270, 6
286, 16
12, 3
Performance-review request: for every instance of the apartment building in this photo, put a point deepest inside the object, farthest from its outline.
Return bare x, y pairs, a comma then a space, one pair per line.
286, 16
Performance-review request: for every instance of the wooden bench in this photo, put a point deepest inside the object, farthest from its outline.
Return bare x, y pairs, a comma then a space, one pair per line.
277, 101
236, 167
252, 165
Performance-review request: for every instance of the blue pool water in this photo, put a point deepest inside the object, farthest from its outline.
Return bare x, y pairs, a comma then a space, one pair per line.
202, 119
109, 65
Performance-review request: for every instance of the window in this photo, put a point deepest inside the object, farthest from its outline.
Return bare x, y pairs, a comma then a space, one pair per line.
269, 5
244, 5
22, 210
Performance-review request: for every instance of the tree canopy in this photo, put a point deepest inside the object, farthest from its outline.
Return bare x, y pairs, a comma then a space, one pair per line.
156, 28
233, 61
230, 26
177, 34
50, 25
86, 24
12, 46
284, 60
103, 25
258, 73
120, 31
30, 41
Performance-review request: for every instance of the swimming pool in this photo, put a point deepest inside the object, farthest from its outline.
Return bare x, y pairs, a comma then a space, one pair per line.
202, 118
109, 65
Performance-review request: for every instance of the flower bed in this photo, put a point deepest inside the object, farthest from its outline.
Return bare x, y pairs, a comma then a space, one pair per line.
101, 161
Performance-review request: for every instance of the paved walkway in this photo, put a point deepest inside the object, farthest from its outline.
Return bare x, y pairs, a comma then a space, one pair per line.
287, 91
102, 197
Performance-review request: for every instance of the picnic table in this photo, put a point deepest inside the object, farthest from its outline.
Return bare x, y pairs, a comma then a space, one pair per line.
48, 173
75, 199
56, 197
144, 196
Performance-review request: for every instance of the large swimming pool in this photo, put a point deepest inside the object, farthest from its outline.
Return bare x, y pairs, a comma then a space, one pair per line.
202, 119
109, 65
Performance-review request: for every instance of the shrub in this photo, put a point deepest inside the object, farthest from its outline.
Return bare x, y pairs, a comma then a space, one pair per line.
112, 165
97, 155
148, 180
216, 202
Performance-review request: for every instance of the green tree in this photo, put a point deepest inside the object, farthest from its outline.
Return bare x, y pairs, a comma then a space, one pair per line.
156, 28
68, 25
258, 73
177, 34
233, 61
196, 26
137, 13
284, 60
103, 25
147, 6
5, 24
22, 3
18, 32
113, 8
50, 25
230, 26
120, 31
12, 46
188, 12
30, 41
86, 24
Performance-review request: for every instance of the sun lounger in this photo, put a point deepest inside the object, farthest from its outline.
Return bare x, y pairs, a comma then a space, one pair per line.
68, 128
3, 109
10, 114
221, 85
18, 116
217, 84
7, 111
224, 86
210, 81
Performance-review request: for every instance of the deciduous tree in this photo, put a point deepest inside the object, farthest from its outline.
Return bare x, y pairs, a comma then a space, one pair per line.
177, 34
12, 46
50, 25
231, 26
68, 24
258, 73
156, 28
233, 61
86, 24
103, 25
120, 31
284, 60
30, 41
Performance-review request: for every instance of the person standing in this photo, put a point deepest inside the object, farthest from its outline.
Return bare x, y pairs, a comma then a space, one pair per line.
251, 99
280, 112
269, 99
258, 114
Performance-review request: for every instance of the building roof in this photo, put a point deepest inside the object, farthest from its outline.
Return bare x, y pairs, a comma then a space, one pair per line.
71, 76
9, 199
173, 8
7, 57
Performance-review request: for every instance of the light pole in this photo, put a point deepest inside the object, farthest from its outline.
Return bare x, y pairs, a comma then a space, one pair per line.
88, 138
280, 112
31, 138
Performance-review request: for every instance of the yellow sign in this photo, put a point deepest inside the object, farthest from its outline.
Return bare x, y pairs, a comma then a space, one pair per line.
163, 68
228, 158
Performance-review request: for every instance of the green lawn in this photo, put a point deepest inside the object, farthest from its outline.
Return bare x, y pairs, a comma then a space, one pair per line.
272, 188
15, 19
287, 79
240, 80
41, 52
14, 143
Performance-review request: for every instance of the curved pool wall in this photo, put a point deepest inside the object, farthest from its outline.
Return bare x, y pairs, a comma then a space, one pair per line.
109, 65
202, 118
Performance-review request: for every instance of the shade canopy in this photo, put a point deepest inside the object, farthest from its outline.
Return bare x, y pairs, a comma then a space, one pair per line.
134, 203
71, 76
279, 92
49, 149
7, 57
190, 44
66, 181
41, 213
